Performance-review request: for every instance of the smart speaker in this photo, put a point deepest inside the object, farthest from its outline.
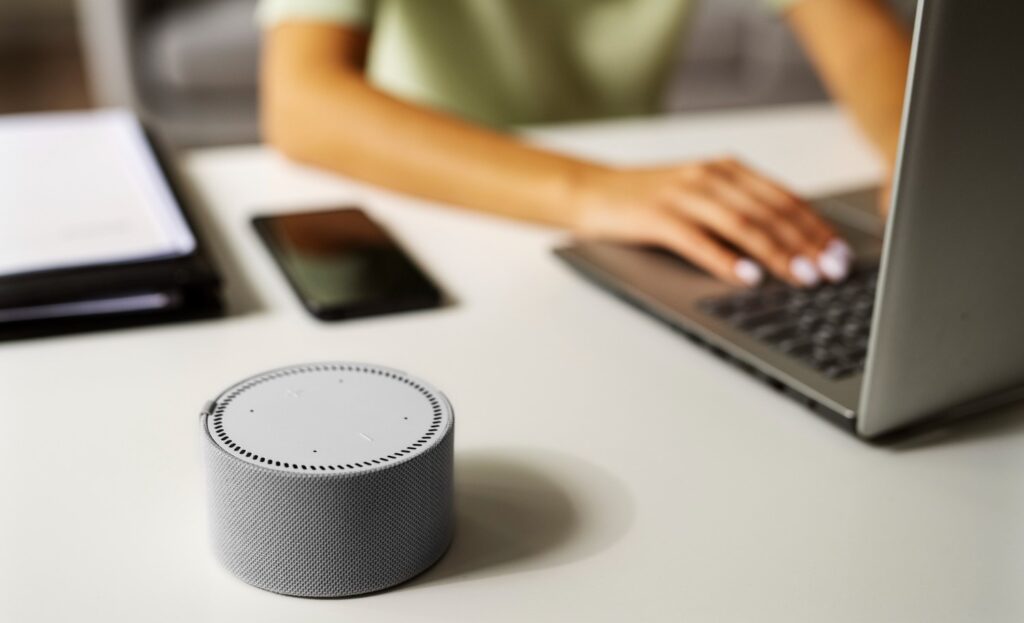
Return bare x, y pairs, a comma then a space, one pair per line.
329, 479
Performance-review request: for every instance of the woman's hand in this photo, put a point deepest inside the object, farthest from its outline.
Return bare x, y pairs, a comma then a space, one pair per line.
720, 215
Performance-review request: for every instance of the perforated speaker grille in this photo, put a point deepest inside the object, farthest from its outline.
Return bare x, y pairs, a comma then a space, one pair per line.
318, 532
233, 412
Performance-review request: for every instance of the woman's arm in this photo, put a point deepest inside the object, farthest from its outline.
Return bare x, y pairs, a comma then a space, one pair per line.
862, 51
318, 108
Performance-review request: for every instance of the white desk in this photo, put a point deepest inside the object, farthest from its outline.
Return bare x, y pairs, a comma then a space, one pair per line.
607, 469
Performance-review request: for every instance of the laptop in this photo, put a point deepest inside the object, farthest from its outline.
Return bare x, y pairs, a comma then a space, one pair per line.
931, 323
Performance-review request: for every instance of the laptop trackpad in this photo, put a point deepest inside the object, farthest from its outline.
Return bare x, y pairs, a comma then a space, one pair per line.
855, 217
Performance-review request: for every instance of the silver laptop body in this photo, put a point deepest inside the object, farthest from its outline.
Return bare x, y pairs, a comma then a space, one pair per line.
947, 326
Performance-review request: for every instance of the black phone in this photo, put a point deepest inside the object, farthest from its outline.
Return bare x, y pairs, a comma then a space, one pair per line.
342, 264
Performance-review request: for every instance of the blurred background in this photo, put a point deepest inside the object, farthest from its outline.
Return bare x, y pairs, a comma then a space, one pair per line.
40, 57
190, 66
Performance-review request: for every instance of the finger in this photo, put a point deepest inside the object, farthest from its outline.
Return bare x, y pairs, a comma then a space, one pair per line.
785, 230
703, 250
778, 197
747, 234
832, 254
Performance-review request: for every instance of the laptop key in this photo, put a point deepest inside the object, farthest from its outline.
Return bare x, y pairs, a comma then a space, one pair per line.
796, 346
775, 333
825, 335
824, 356
827, 328
853, 329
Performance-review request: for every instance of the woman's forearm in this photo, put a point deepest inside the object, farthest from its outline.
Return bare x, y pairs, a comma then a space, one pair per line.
862, 52
719, 214
318, 108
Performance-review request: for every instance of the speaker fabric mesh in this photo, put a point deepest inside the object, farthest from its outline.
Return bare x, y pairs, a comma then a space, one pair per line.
330, 534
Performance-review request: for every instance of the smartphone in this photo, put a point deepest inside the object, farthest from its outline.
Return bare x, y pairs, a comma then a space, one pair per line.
342, 264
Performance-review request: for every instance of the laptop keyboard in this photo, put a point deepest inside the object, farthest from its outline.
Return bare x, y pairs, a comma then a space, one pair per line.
826, 327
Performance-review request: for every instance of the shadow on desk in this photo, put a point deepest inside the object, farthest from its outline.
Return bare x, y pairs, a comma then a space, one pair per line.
1004, 420
523, 510
241, 296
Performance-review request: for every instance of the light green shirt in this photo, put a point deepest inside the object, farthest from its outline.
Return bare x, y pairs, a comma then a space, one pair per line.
511, 62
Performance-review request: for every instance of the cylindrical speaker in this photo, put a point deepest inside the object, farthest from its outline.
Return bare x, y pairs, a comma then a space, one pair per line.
329, 479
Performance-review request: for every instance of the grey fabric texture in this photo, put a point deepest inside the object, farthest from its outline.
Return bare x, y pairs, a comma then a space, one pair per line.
330, 534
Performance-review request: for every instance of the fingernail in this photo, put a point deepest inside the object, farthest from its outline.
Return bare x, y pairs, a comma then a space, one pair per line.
749, 272
839, 248
804, 271
833, 265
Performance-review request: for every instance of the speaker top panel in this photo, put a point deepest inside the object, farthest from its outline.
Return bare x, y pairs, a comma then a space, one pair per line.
329, 418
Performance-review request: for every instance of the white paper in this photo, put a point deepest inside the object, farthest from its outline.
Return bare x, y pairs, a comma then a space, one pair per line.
82, 189
92, 307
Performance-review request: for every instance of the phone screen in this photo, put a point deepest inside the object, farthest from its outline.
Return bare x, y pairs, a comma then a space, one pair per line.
342, 264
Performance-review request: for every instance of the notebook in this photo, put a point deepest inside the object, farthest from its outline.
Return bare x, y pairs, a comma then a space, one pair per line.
92, 230
80, 189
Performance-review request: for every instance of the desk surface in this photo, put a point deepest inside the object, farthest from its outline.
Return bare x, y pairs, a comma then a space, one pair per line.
606, 469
